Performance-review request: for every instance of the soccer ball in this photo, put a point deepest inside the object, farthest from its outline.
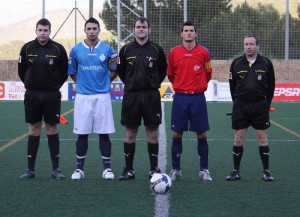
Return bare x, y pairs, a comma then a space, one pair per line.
160, 183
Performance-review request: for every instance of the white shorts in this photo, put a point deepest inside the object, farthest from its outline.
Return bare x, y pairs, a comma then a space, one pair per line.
93, 114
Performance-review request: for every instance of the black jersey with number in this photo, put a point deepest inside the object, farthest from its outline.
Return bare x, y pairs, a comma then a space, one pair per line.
251, 82
43, 67
142, 67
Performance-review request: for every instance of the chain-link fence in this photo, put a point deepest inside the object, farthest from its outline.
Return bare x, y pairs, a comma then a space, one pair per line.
221, 26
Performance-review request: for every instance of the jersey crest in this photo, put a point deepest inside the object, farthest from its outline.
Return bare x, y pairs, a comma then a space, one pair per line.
102, 57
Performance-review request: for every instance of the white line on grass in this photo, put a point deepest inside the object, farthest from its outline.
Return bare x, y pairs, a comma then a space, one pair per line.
162, 204
285, 129
162, 157
23, 136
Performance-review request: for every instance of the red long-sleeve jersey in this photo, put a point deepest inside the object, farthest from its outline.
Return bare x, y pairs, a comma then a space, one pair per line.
189, 71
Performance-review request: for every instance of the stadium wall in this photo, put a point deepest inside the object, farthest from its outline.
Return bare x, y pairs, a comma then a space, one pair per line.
285, 70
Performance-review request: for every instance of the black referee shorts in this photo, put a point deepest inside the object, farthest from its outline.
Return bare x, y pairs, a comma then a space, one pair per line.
42, 104
255, 114
141, 104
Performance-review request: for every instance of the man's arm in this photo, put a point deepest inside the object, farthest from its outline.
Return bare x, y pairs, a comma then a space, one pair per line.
121, 68
113, 64
232, 81
171, 70
271, 82
72, 65
74, 77
113, 75
207, 66
22, 64
63, 65
163, 65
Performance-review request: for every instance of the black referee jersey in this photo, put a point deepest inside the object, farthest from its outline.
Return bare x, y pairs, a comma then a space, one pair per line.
142, 67
251, 82
43, 67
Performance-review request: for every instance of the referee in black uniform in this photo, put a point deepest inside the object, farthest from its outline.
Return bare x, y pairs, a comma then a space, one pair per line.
142, 69
252, 85
43, 66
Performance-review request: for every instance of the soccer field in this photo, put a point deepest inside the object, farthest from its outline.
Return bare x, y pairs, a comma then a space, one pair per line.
94, 196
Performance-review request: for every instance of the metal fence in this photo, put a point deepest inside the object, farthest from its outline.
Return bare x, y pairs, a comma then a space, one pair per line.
221, 26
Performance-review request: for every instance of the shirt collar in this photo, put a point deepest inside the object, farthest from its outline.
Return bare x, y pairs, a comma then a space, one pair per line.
39, 45
138, 45
258, 58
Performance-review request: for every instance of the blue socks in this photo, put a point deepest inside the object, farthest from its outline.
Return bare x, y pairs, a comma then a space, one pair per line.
176, 151
105, 149
203, 153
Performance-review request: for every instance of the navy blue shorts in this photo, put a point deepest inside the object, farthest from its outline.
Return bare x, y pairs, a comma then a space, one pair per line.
189, 113
140, 105
42, 104
255, 114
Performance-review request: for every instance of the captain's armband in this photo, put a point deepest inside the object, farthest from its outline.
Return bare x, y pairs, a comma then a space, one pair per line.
114, 60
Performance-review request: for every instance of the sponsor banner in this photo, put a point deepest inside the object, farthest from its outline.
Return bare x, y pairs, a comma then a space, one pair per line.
211, 94
15, 90
224, 91
12, 90
166, 92
116, 91
217, 91
287, 92
71, 91
2, 90
283, 92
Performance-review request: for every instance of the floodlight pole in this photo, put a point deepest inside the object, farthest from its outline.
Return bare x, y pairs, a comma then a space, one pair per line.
119, 32
43, 9
287, 29
75, 28
91, 8
184, 10
74, 9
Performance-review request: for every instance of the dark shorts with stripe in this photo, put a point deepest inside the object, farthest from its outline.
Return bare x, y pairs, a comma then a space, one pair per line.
189, 113
41, 105
255, 114
138, 105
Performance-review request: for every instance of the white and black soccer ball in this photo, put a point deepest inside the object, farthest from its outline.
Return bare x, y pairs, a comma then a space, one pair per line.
160, 183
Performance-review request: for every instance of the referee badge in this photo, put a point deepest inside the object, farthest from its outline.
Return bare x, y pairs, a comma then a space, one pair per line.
259, 76
150, 62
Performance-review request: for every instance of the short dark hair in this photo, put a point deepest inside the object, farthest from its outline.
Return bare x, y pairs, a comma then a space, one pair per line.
43, 22
255, 37
142, 20
188, 23
92, 20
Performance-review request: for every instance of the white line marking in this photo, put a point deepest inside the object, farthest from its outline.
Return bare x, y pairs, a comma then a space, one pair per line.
285, 129
20, 138
162, 153
162, 204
